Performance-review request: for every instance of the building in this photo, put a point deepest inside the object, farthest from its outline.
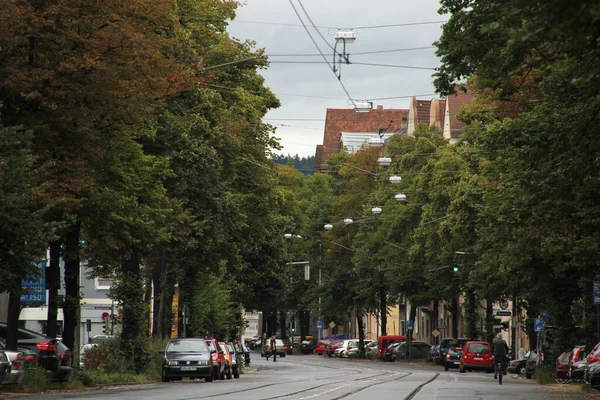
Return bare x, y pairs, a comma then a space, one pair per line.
347, 120
453, 127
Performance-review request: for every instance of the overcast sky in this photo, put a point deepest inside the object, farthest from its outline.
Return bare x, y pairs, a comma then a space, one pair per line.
292, 81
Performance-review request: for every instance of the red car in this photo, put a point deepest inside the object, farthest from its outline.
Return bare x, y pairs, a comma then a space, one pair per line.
594, 355
331, 346
476, 356
218, 358
561, 371
321, 346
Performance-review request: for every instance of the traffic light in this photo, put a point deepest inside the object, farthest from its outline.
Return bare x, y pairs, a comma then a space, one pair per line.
293, 326
455, 269
105, 326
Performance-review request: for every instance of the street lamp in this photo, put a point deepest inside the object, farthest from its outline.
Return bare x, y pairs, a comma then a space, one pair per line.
395, 179
400, 197
348, 221
376, 210
384, 161
328, 227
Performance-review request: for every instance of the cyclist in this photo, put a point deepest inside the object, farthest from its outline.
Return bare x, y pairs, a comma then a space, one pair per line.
499, 351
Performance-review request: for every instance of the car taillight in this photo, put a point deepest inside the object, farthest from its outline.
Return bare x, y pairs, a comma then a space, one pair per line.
447, 355
349, 347
64, 356
284, 347
16, 364
46, 346
30, 359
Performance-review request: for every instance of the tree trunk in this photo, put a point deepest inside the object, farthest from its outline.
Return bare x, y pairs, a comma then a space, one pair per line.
455, 318
131, 292
489, 321
383, 310
162, 285
72, 300
471, 315
435, 318
282, 324
361, 333
53, 284
14, 310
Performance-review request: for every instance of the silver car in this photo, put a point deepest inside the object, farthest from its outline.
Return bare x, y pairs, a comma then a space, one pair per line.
16, 366
5, 366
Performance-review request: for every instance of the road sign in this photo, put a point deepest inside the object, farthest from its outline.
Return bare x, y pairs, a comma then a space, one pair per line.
442, 327
409, 325
332, 324
537, 325
319, 324
504, 304
596, 292
435, 333
35, 286
502, 313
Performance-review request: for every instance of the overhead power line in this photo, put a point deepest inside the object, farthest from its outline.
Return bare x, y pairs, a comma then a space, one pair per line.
336, 27
319, 49
356, 63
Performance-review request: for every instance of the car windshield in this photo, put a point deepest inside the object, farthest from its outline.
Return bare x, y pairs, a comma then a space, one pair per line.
230, 347
187, 346
222, 347
211, 346
478, 348
564, 357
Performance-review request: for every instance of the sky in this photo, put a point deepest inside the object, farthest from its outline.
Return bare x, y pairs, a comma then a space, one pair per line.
306, 90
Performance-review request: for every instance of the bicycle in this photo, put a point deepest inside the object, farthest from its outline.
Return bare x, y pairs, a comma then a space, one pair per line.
500, 370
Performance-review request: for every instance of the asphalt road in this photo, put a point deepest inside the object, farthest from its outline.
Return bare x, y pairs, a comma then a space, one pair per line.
313, 377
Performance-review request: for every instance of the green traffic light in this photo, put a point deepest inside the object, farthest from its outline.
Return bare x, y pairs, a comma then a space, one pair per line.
455, 268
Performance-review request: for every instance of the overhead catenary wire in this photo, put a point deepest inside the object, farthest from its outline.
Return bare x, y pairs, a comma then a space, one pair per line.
354, 63
322, 55
336, 27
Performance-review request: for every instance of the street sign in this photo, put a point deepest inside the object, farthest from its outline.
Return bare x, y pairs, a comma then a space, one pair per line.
332, 324
35, 287
502, 313
442, 327
504, 304
435, 333
409, 325
537, 325
319, 324
596, 292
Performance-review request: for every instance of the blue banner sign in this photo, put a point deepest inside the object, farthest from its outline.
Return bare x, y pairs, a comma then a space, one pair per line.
538, 324
35, 286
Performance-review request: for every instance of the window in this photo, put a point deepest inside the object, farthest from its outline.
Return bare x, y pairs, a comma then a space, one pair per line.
478, 348
103, 283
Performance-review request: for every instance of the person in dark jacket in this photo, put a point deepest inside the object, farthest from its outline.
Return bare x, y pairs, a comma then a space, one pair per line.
500, 351
273, 346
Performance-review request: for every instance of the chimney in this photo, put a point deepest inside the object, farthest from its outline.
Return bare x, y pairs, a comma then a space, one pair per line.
380, 106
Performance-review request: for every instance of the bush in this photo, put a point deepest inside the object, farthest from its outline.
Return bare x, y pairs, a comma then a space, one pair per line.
106, 357
544, 375
35, 380
97, 378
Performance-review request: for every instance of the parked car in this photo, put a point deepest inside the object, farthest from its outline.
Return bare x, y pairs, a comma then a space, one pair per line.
517, 366
332, 345
225, 356
452, 358
342, 349
592, 375
16, 368
308, 346
562, 367
388, 354
236, 359
322, 346
476, 356
279, 345
289, 346
531, 364
577, 370
242, 349
354, 348
372, 349
446, 344
431, 355
29, 356
4, 366
187, 358
51, 354
418, 350
385, 341
594, 355
218, 362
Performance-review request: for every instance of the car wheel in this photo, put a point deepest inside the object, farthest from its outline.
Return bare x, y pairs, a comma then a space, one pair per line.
445, 367
165, 377
208, 379
521, 370
229, 374
236, 373
222, 376
563, 380
461, 370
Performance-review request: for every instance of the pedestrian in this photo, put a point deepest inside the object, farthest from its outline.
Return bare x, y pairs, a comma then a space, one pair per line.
273, 345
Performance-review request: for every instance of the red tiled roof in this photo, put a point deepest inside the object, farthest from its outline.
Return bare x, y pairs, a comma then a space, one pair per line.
340, 120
